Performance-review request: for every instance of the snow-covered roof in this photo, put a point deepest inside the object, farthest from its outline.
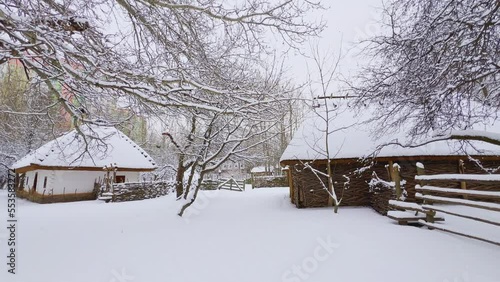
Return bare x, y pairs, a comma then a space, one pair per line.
352, 136
105, 145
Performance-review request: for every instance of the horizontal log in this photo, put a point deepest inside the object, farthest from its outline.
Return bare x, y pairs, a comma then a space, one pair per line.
409, 216
406, 206
455, 191
456, 232
460, 214
460, 177
469, 203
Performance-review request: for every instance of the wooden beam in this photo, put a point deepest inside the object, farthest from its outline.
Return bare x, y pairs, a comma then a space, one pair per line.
76, 168
460, 177
490, 195
406, 206
469, 203
455, 213
442, 228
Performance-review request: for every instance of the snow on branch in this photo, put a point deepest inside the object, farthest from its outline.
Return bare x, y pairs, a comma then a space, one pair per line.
485, 136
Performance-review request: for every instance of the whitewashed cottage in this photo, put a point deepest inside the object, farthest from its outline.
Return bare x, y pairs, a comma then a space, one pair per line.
67, 168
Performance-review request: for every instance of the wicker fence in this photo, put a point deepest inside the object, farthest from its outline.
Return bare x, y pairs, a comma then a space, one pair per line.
269, 181
133, 191
308, 189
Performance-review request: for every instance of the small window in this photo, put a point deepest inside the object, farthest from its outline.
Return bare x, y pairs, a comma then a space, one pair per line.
45, 182
120, 179
27, 180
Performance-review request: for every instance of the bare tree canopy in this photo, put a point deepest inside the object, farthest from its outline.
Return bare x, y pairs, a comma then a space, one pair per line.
154, 53
205, 64
437, 65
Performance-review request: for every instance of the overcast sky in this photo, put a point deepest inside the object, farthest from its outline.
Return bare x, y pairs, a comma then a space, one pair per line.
347, 22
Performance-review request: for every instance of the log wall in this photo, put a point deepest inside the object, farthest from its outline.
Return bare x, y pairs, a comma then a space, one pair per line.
269, 181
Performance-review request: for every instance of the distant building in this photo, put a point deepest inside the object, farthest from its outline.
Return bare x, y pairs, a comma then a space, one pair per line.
230, 169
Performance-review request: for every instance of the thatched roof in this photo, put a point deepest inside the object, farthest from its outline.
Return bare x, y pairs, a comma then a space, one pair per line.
102, 146
352, 135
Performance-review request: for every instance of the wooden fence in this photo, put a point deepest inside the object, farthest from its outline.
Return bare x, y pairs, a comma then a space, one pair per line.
484, 202
269, 181
133, 191
231, 184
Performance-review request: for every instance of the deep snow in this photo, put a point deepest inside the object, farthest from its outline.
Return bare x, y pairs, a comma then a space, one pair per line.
233, 236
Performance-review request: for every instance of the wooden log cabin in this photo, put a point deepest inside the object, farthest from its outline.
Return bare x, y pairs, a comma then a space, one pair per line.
355, 154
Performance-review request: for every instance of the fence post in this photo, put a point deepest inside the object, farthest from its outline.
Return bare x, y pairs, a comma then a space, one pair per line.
429, 215
461, 170
397, 180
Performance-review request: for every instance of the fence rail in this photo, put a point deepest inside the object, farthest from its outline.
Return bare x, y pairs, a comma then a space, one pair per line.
484, 201
231, 184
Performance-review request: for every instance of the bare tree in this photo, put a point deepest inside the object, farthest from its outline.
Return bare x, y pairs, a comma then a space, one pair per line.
203, 59
28, 116
211, 139
436, 67
194, 54
326, 111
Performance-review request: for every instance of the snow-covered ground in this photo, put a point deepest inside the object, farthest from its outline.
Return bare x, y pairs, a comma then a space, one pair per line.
233, 236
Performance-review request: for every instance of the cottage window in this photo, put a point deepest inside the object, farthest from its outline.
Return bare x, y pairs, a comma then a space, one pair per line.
45, 182
120, 179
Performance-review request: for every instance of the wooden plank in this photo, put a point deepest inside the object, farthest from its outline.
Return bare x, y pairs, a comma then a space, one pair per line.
456, 213
403, 215
454, 191
406, 206
450, 230
408, 216
460, 177
469, 203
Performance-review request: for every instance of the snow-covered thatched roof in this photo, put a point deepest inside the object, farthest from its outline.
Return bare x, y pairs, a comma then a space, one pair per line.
352, 135
102, 146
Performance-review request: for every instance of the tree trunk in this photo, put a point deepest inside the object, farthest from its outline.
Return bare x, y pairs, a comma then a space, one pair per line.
188, 204
179, 177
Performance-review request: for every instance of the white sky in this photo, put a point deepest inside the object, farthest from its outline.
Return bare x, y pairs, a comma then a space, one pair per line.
347, 21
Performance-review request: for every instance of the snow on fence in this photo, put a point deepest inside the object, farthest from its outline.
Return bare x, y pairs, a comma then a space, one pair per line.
382, 192
231, 184
133, 191
487, 201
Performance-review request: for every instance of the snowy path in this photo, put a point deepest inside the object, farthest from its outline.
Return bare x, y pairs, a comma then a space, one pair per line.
253, 236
